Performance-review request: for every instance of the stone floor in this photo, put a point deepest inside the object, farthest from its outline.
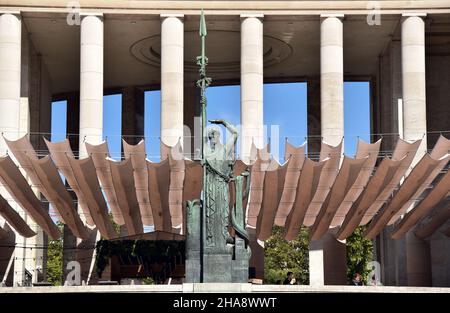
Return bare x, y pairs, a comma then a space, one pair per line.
211, 287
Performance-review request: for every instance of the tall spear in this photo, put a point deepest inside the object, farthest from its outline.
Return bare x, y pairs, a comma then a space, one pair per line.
203, 83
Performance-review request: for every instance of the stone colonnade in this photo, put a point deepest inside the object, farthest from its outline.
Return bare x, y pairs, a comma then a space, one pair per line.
172, 98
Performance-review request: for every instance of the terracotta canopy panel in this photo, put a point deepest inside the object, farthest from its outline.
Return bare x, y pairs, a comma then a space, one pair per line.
60, 152
405, 152
18, 188
258, 172
417, 180
123, 182
58, 195
273, 187
24, 152
360, 208
137, 154
296, 157
99, 154
306, 189
193, 181
327, 178
440, 151
370, 152
158, 184
347, 176
436, 195
86, 177
299, 192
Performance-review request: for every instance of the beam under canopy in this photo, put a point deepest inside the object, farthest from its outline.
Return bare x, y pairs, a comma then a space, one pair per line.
14, 219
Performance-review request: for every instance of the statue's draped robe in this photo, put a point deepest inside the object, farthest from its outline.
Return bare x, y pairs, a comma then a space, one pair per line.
218, 173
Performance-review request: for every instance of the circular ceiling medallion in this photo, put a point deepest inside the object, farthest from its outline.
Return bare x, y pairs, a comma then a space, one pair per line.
222, 49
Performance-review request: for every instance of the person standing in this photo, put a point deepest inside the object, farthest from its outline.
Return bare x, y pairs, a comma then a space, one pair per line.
290, 279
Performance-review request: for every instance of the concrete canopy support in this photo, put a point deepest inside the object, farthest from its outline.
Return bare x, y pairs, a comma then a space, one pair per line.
440, 257
418, 261
327, 261
252, 117
91, 81
256, 262
316, 270
172, 78
413, 81
331, 79
10, 69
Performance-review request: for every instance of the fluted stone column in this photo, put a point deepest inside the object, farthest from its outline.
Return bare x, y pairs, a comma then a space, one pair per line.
413, 81
10, 119
251, 83
10, 67
415, 127
331, 78
91, 81
172, 78
91, 105
327, 259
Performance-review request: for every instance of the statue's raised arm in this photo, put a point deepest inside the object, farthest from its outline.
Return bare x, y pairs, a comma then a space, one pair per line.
229, 146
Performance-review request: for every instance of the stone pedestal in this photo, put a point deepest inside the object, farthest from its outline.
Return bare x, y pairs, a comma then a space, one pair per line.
217, 267
209, 265
193, 244
239, 265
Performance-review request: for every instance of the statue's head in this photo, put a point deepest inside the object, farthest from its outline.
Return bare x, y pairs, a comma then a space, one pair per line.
214, 135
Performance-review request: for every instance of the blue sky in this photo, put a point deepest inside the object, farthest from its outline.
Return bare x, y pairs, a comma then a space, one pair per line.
284, 106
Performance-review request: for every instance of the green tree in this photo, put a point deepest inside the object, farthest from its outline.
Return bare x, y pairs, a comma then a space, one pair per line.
55, 259
359, 254
283, 256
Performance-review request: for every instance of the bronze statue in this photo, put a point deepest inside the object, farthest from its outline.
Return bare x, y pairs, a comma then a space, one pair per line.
219, 165
212, 253
219, 161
